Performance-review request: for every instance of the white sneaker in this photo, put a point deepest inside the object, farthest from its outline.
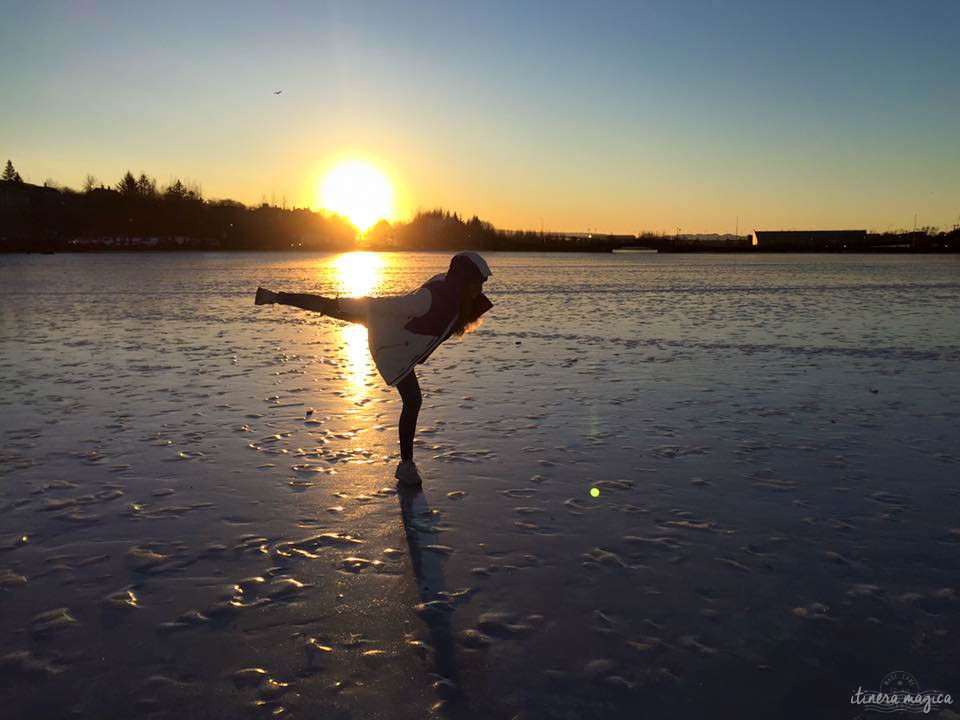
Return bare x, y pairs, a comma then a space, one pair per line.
407, 473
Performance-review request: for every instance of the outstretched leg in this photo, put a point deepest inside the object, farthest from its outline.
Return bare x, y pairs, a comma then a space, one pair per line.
409, 389
307, 301
348, 309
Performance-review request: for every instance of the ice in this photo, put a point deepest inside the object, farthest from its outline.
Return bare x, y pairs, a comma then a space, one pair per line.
773, 442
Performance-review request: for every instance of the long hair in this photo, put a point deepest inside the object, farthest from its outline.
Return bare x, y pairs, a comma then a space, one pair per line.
469, 318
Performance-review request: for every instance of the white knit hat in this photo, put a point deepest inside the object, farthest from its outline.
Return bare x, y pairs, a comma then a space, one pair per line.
479, 262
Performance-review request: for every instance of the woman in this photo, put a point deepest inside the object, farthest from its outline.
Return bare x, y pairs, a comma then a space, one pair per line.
404, 330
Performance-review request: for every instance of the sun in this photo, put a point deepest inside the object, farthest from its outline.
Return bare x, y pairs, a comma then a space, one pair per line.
358, 191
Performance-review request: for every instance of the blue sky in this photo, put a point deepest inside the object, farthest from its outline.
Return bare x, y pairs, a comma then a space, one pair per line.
617, 117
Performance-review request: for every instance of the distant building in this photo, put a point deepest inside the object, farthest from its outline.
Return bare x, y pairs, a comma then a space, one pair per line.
808, 239
23, 196
718, 241
594, 237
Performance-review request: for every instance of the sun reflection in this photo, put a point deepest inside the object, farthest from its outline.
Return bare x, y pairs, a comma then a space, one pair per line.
359, 362
356, 274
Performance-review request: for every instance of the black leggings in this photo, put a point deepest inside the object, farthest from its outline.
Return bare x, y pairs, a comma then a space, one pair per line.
308, 301
410, 392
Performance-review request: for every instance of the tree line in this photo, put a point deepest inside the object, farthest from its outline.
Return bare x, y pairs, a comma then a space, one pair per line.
439, 229
137, 213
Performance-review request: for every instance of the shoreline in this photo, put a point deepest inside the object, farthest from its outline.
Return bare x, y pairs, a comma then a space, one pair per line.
640, 250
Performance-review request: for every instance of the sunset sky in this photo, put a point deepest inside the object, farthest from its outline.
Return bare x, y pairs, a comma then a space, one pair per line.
613, 117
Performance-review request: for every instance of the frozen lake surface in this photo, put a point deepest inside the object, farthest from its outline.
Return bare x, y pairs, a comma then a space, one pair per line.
198, 516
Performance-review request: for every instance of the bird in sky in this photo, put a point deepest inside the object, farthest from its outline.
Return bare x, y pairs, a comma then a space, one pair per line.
277, 92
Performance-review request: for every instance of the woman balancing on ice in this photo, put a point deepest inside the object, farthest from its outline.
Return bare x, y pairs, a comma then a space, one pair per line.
403, 330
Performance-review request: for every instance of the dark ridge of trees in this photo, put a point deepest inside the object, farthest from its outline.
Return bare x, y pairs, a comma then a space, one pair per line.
439, 229
136, 213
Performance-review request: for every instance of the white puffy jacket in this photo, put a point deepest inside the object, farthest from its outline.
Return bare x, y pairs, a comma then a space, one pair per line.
395, 350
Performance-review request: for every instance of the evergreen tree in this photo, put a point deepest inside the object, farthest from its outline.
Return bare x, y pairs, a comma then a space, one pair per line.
10, 175
176, 191
146, 187
128, 186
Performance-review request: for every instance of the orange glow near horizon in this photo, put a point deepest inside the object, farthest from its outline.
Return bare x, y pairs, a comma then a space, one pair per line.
358, 191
